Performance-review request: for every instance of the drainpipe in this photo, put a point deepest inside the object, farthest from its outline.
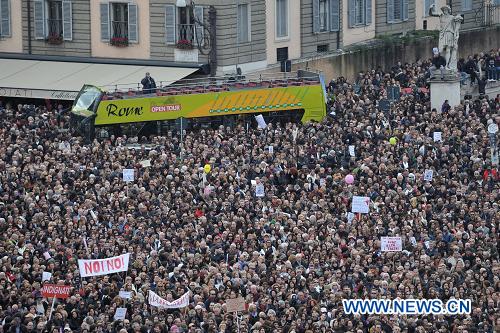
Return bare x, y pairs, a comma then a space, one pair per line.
212, 57
29, 26
338, 39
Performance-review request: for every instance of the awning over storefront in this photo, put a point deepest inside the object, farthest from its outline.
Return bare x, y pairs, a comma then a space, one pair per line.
63, 80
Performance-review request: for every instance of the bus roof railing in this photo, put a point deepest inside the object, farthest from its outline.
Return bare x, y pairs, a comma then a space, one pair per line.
230, 80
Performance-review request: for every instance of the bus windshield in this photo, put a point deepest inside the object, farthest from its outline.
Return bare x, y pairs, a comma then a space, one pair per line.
86, 99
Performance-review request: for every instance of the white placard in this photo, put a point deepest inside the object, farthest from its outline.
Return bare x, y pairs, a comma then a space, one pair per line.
46, 276
260, 121
259, 190
391, 244
350, 217
47, 255
437, 136
360, 204
125, 294
97, 267
120, 313
351, 151
428, 174
128, 175
155, 300
492, 128
271, 149
145, 163
253, 182
494, 156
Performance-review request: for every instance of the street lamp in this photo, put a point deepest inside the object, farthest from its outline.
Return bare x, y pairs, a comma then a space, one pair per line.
206, 46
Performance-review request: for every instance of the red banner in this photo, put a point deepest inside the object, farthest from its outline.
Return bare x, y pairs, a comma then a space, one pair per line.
55, 290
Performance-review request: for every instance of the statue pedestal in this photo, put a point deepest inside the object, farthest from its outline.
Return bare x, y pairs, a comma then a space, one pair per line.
441, 90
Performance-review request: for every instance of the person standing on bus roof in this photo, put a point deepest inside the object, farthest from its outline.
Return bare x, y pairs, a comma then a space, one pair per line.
148, 84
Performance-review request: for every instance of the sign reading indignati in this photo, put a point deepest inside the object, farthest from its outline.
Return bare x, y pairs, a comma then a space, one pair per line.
55, 290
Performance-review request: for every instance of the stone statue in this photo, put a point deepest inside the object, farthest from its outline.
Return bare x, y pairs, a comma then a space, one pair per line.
448, 35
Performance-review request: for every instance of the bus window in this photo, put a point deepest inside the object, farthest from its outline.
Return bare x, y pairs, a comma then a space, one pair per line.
88, 96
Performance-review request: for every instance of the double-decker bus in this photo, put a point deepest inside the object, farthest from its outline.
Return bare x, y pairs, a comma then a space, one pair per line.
301, 97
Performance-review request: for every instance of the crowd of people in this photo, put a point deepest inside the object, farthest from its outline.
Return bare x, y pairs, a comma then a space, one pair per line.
292, 254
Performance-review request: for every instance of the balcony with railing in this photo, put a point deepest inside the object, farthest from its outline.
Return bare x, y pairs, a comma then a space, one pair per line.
119, 33
488, 14
55, 31
186, 38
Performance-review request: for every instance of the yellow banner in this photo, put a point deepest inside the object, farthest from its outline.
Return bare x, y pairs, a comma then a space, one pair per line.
118, 111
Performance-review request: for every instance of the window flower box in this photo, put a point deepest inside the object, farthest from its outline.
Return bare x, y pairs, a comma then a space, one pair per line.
119, 41
184, 44
54, 40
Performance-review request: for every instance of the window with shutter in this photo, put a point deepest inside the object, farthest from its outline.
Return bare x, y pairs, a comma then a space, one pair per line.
359, 18
67, 21
39, 18
368, 12
199, 34
105, 29
119, 17
323, 15
5, 18
398, 13
281, 18
132, 24
334, 15
351, 8
170, 24
315, 16
466, 5
243, 23
405, 10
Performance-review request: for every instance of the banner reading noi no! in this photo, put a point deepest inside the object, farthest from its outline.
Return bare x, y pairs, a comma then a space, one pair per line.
96, 267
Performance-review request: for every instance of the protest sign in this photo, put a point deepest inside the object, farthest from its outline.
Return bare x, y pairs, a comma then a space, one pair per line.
46, 276
96, 267
120, 313
351, 151
235, 304
55, 290
428, 174
437, 136
125, 294
47, 255
271, 149
492, 128
259, 190
350, 217
128, 175
145, 163
260, 121
155, 300
360, 204
295, 132
391, 244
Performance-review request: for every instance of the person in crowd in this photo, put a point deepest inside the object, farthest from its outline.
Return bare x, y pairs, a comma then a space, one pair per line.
148, 84
438, 63
293, 254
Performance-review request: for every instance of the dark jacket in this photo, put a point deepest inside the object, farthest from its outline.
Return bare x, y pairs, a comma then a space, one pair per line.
439, 61
148, 84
